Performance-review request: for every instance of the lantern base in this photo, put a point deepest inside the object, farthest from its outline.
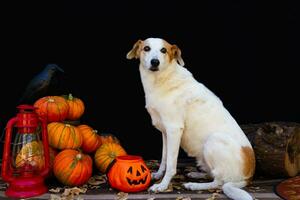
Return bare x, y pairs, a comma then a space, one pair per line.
26, 187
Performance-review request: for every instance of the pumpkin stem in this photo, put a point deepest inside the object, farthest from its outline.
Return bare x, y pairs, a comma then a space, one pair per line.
95, 131
79, 156
68, 125
70, 97
51, 100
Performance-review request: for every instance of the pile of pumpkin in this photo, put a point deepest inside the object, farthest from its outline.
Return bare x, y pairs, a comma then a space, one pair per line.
74, 149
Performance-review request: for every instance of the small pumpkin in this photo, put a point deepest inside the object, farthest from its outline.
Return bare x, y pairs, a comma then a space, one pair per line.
76, 107
105, 155
109, 138
52, 108
64, 136
33, 153
72, 167
91, 141
129, 174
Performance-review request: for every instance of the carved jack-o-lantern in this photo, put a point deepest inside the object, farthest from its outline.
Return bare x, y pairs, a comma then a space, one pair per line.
129, 174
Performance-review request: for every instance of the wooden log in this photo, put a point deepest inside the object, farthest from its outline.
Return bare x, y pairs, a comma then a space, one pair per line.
277, 148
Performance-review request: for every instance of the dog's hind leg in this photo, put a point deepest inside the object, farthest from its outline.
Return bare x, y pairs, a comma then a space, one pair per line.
198, 175
162, 167
203, 186
202, 172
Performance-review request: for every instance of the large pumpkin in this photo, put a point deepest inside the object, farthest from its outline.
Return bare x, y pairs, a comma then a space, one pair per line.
64, 136
129, 174
33, 154
91, 141
72, 168
52, 108
76, 107
106, 153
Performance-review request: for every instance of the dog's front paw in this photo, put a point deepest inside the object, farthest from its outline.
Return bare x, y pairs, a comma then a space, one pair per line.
158, 187
157, 175
191, 186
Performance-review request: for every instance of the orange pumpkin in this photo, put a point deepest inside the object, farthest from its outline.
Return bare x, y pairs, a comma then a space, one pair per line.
106, 153
64, 136
76, 107
72, 167
129, 174
33, 153
52, 108
91, 141
109, 138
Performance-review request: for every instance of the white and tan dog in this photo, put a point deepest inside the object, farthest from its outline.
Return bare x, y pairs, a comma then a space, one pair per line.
189, 115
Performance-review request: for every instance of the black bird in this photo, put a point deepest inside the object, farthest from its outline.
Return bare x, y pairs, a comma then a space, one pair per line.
39, 85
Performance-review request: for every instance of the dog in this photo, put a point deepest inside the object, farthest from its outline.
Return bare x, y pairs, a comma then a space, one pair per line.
189, 115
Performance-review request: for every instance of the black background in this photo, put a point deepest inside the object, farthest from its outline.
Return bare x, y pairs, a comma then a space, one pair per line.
244, 51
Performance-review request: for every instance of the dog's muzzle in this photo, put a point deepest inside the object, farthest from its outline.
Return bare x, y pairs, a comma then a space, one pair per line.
154, 65
153, 68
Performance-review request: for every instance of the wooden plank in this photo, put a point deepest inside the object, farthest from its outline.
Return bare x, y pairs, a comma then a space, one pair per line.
260, 196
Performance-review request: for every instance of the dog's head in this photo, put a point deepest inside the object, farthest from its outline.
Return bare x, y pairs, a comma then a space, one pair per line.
155, 54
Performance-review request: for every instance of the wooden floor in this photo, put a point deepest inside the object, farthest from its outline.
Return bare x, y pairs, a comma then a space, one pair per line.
261, 188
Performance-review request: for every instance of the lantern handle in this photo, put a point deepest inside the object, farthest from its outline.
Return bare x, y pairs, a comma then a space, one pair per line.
46, 169
25, 107
6, 171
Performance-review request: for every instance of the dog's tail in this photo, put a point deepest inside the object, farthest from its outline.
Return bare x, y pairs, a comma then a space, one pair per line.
233, 191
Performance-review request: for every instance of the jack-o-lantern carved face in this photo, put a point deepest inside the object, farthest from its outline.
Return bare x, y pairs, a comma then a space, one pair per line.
129, 174
137, 174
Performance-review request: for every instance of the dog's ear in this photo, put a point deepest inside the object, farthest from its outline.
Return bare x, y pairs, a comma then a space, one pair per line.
135, 51
176, 52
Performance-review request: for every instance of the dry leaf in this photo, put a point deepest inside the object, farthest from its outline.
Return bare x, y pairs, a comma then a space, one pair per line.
94, 187
122, 196
66, 192
93, 181
169, 189
56, 190
214, 196
214, 190
74, 191
70, 197
179, 176
100, 177
183, 198
55, 197
177, 187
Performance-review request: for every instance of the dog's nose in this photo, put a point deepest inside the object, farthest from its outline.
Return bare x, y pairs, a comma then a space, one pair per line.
155, 62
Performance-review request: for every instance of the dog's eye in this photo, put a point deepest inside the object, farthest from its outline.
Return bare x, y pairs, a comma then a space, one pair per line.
146, 48
163, 50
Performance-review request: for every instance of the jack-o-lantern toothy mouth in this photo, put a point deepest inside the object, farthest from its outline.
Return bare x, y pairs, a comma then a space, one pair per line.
137, 182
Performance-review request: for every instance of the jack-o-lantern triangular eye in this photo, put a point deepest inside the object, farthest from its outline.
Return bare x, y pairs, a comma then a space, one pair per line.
143, 168
129, 170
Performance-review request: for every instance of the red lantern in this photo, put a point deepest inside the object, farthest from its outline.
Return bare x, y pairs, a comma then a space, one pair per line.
129, 174
25, 162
